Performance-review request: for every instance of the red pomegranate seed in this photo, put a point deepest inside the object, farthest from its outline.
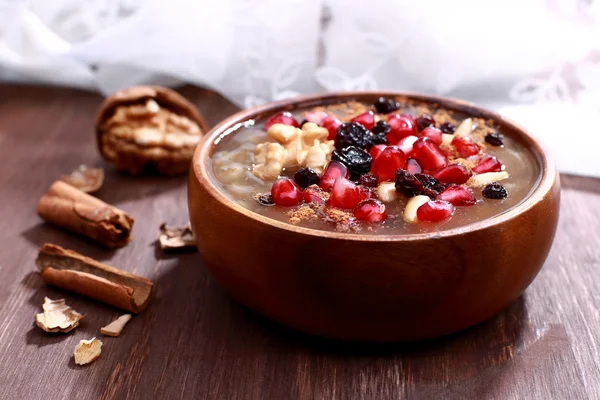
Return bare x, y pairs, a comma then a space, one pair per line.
453, 173
401, 125
385, 166
370, 210
406, 144
458, 196
334, 170
331, 124
314, 194
316, 117
344, 194
429, 154
367, 193
366, 119
283, 117
376, 150
488, 164
435, 211
465, 146
413, 166
432, 133
286, 192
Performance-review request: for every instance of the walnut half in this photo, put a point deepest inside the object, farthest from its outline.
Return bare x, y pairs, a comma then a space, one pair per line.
149, 126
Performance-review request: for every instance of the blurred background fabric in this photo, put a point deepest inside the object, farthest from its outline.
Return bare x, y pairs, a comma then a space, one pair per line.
536, 61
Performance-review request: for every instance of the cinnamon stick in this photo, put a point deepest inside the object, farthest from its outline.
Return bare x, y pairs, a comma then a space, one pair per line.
72, 271
77, 211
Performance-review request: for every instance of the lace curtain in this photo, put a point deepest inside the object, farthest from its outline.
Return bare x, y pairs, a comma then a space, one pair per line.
537, 61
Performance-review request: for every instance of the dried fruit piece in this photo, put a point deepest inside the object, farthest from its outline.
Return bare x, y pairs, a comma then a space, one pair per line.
386, 164
265, 199
429, 154
458, 196
352, 134
366, 119
116, 327
495, 139
410, 211
149, 126
385, 105
465, 128
465, 146
425, 120
305, 177
86, 179
387, 191
495, 191
368, 180
432, 133
431, 186
176, 238
447, 128
344, 194
334, 170
283, 117
401, 125
435, 211
87, 351
453, 173
479, 180
488, 164
370, 210
286, 193
380, 131
57, 316
357, 160
314, 194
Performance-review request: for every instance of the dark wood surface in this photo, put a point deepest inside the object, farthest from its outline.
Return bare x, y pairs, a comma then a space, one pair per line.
195, 342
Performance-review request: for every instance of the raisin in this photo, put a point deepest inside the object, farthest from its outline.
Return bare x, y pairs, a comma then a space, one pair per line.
495, 139
358, 161
447, 127
368, 180
495, 191
431, 186
424, 121
306, 177
352, 134
407, 183
265, 199
386, 105
380, 131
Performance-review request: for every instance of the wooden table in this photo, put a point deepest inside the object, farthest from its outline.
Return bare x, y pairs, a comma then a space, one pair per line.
195, 342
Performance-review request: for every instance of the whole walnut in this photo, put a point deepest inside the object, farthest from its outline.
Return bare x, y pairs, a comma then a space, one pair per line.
149, 127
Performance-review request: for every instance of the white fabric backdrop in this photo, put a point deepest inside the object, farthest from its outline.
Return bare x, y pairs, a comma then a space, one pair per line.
537, 61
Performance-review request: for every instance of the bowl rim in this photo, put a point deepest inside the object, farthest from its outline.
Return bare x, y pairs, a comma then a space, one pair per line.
544, 183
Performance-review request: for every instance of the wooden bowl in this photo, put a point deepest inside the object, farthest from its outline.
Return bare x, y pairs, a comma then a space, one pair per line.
372, 288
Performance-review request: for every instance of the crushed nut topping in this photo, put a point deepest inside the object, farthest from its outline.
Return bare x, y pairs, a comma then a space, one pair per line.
57, 316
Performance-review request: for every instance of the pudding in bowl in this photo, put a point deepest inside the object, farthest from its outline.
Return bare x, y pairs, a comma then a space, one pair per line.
373, 216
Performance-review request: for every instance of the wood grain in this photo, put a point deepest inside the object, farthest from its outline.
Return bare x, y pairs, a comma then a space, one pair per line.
194, 342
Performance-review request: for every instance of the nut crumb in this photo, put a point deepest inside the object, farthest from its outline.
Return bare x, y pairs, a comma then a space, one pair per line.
176, 237
306, 212
116, 327
87, 351
57, 316
344, 220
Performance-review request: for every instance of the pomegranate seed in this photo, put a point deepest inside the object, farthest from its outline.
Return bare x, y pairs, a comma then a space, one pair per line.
344, 194
488, 164
429, 154
334, 170
376, 150
314, 194
465, 146
370, 210
432, 133
366, 119
413, 166
367, 193
401, 125
406, 144
316, 117
453, 173
385, 166
458, 196
435, 211
283, 117
286, 192
331, 124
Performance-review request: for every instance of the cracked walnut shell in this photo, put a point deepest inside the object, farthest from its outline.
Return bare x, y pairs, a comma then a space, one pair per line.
149, 126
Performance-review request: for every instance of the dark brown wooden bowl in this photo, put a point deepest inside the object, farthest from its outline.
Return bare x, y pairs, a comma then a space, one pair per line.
373, 288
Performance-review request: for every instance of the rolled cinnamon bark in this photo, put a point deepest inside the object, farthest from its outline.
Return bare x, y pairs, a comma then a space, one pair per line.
77, 211
72, 271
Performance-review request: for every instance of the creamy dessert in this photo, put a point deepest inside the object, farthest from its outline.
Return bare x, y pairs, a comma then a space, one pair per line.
393, 167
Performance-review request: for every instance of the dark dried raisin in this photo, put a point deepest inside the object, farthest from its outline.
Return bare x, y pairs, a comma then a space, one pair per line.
358, 161
447, 127
425, 120
495, 139
368, 180
306, 177
386, 105
352, 134
265, 199
495, 191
